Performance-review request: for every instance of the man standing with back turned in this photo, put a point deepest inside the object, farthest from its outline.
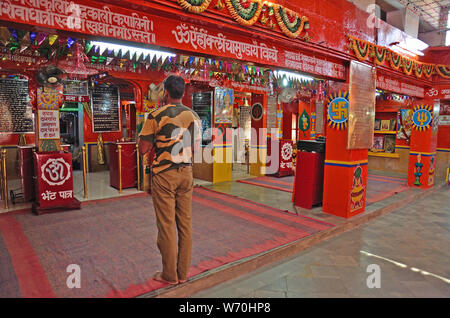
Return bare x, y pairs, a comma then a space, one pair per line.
174, 130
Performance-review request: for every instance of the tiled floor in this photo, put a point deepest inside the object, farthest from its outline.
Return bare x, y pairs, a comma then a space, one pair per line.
409, 245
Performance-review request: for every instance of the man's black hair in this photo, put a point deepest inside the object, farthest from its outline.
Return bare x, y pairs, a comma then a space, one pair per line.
174, 85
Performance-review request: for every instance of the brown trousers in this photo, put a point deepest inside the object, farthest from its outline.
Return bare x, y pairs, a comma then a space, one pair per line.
172, 199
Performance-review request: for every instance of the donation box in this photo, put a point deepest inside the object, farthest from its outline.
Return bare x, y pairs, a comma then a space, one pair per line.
54, 182
285, 154
308, 188
122, 167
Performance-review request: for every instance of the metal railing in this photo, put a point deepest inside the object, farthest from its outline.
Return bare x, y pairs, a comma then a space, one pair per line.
4, 177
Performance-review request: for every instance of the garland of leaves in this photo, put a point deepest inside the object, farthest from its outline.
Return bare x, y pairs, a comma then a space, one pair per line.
361, 48
364, 49
443, 70
245, 12
428, 69
395, 61
195, 6
289, 21
407, 65
418, 69
380, 54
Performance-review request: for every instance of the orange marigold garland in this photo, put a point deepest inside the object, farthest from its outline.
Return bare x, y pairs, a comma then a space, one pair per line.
418, 69
289, 21
364, 50
195, 6
428, 69
361, 48
245, 12
395, 61
407, 65
443, 70
380, 54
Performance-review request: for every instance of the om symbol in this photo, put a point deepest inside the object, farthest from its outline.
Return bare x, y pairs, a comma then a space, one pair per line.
55, 171
286, 152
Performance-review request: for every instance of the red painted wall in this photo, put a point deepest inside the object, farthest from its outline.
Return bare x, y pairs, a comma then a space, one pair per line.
444, 137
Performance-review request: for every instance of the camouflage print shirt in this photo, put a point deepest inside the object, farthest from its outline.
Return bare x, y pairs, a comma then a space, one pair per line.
173, 130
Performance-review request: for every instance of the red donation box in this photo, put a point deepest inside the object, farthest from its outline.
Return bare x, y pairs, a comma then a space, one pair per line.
126, 171
285, 154
308, 188
54, 182
286, 165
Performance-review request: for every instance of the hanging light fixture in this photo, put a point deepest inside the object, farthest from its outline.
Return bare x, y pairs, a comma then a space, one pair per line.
291, 75
124, 49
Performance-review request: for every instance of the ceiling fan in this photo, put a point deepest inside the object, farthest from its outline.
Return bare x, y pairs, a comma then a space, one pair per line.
49, 76
287, 95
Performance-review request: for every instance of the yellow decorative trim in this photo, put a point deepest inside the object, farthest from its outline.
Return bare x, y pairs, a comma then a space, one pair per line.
384, 154
347, 162
388, 132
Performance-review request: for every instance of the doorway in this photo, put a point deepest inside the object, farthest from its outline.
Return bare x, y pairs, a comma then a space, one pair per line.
242, 124
71, 125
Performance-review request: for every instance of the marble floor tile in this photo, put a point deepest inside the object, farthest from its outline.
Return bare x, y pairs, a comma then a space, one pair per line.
410, 246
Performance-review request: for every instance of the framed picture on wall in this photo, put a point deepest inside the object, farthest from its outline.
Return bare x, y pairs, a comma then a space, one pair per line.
393, 125
377, 124
385, 125
389, 143
378, 143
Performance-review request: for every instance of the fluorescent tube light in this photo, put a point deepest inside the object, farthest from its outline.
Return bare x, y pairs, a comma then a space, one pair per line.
290, 75
133, 50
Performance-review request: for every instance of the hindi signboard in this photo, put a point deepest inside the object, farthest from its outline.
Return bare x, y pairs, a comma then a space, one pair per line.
48, 123
202, 104
391, 84
76, 88
16, 114
105, 102
361, 119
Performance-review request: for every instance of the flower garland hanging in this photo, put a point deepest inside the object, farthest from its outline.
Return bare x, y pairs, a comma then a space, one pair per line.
195, 6
290, 22
380, 54
407, 66
245, 12
443, 70
395, 61
364, 50
428, 69
418, 69
361, 48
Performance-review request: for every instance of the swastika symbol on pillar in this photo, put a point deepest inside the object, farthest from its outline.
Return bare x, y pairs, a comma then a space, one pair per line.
340, 110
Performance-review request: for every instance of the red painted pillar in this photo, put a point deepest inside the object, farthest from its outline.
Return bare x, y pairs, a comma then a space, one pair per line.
287, 121
258, 142
345, 175
422, 155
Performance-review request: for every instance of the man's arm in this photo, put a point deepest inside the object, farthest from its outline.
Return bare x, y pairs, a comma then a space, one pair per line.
147, 136
196, 136
144, 146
